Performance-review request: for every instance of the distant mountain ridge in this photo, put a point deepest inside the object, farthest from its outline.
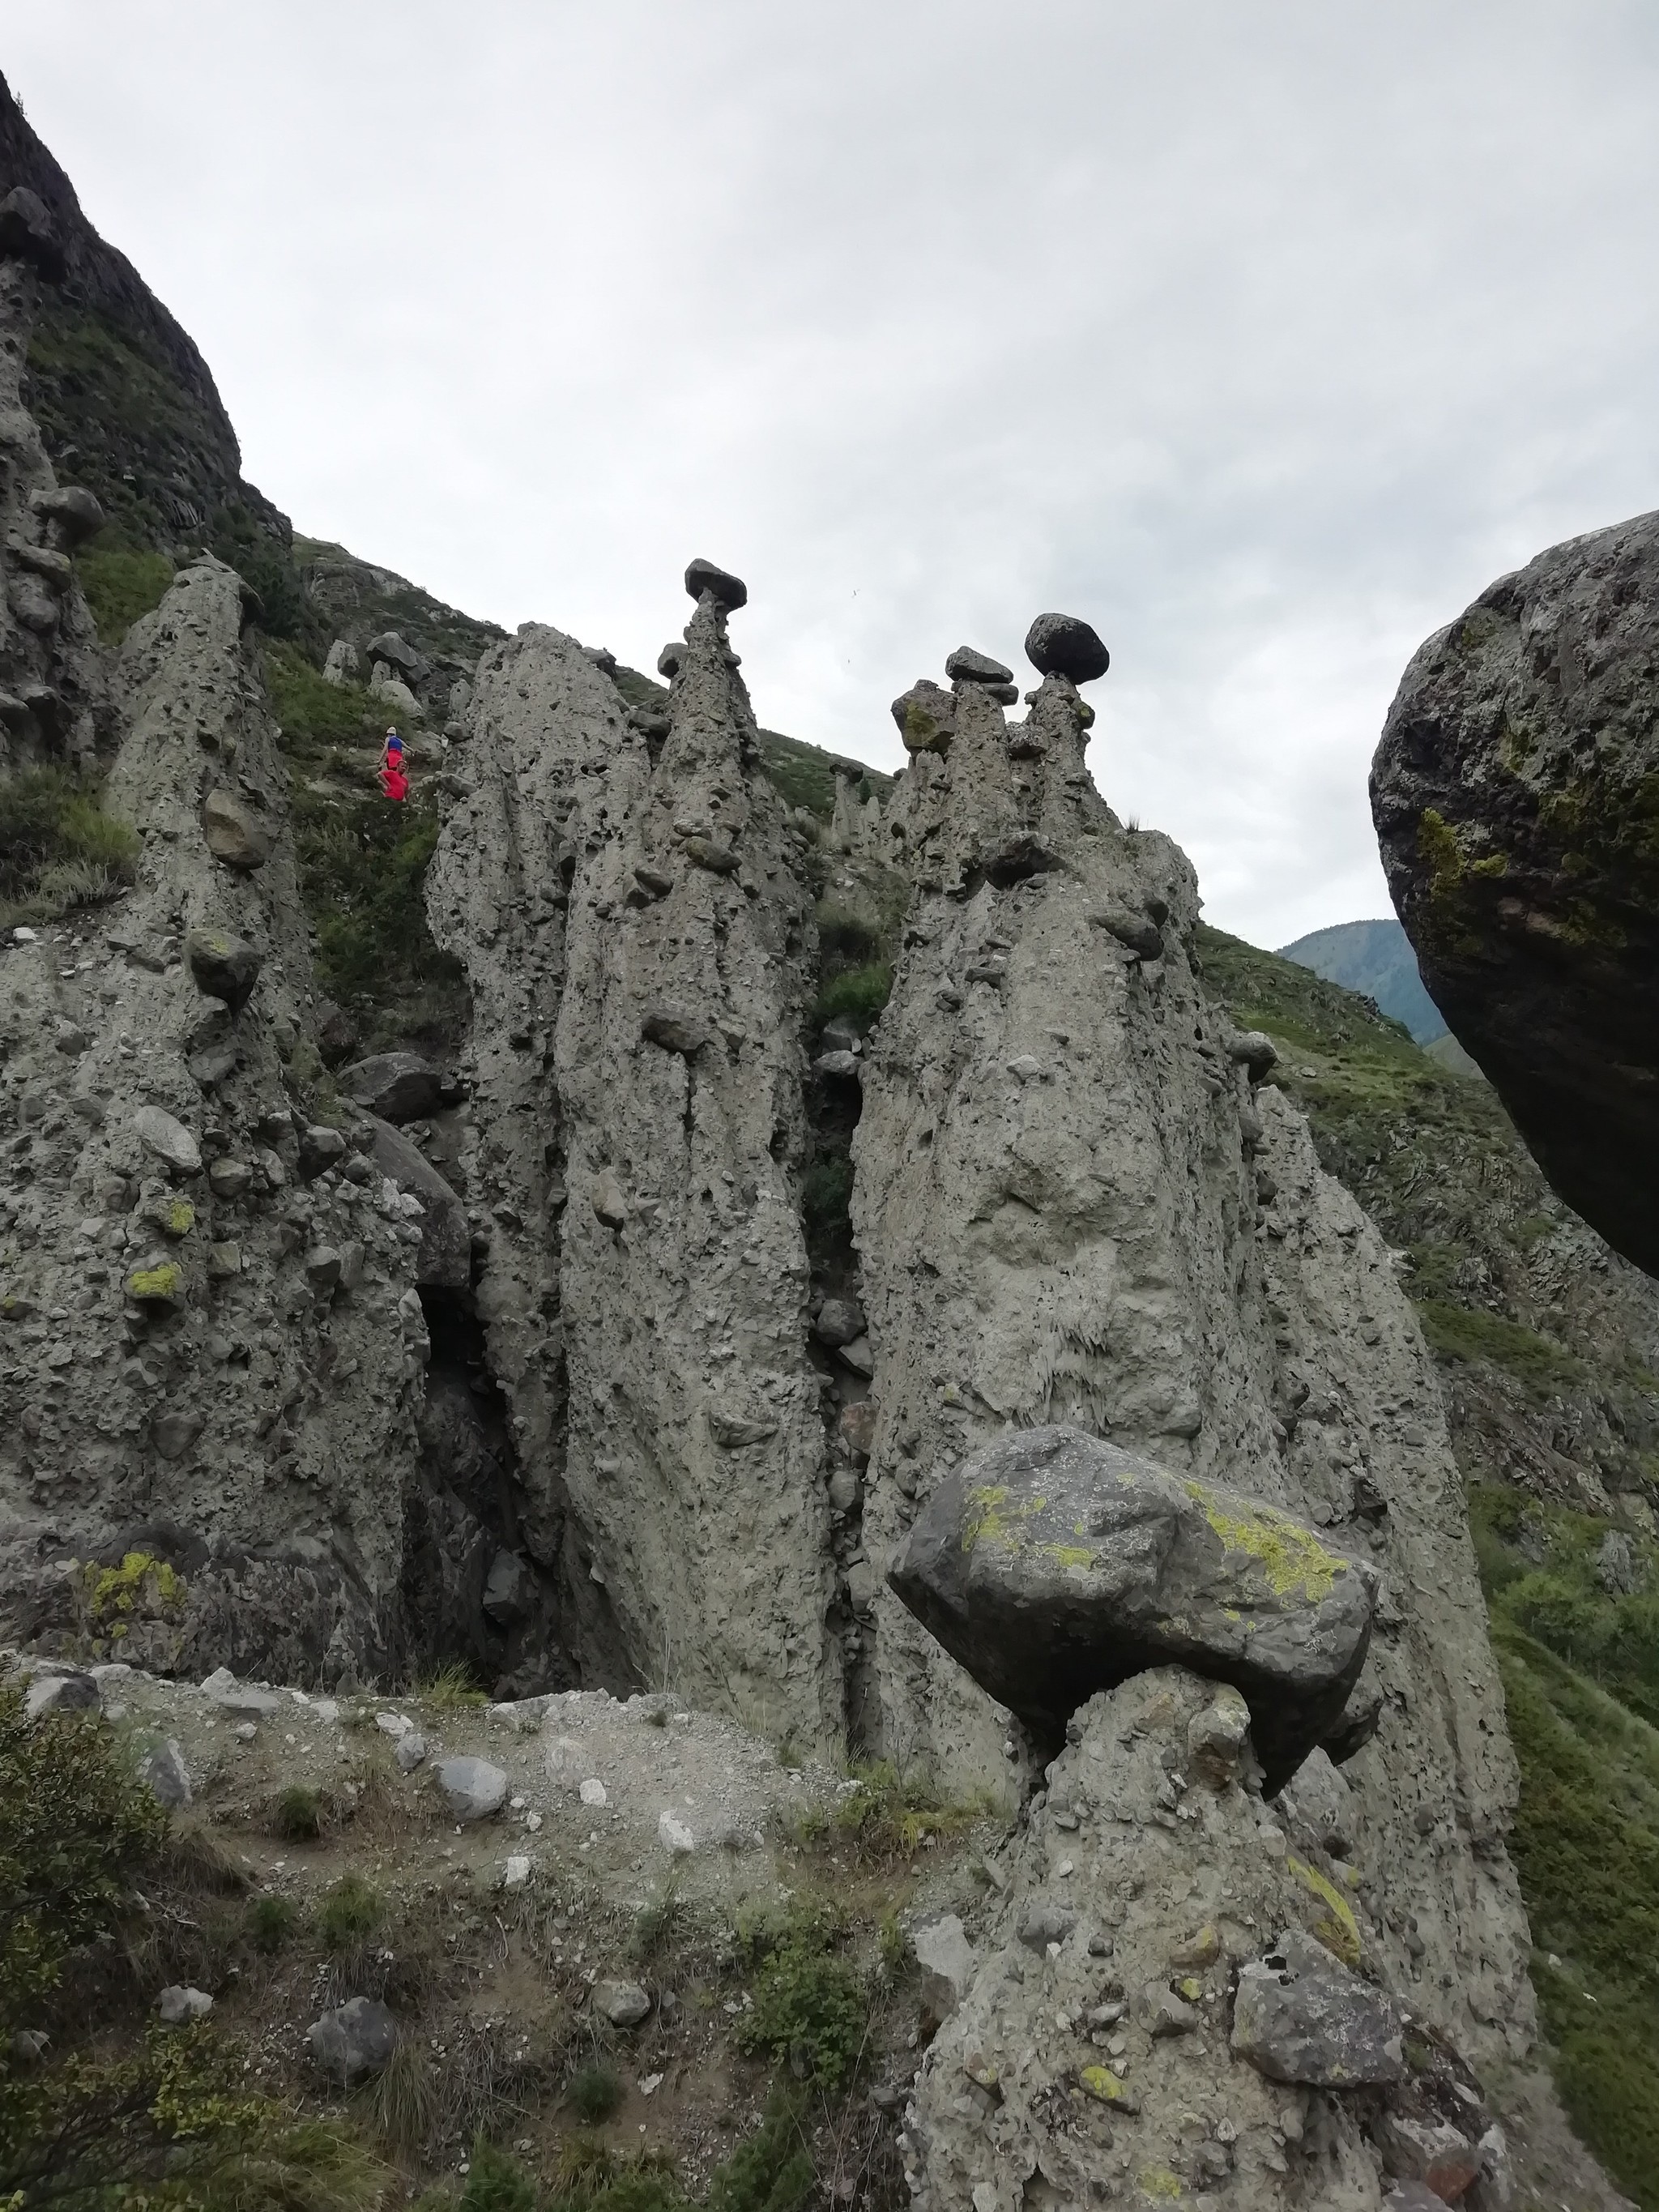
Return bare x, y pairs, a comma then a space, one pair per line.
1375, 958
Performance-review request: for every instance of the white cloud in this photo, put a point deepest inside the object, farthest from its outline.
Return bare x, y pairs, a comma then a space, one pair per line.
1262, 337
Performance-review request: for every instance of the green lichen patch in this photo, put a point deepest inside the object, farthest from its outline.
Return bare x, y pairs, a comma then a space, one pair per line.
1288, 1557
161, 1283
1336, 1926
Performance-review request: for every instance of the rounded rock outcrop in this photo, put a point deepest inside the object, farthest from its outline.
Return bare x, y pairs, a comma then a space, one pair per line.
728, 590
1516, 796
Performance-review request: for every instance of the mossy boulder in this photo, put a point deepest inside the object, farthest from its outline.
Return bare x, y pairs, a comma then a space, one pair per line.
1516, 794
1053, 1566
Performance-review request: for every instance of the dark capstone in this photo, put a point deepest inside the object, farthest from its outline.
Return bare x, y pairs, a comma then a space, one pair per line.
1052, 1565
1062, 645
1138, 932
26, 233
970, 667
398, 1086
669, 660
1513, 795
224, 967
1006, 695
731, 592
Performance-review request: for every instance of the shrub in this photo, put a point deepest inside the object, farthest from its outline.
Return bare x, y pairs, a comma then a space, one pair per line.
497, 2183
595, 2091
58, 849
270, 1922
858, 993
654, 1925
1464, 1333
350, 1912
298, 1817
810, 2007
121, 583
74, 1825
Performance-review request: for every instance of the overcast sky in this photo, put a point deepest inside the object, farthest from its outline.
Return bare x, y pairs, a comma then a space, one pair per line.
1263, 336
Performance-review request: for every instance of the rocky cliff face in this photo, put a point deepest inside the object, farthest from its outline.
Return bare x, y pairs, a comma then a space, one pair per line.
1515, 792
639, 943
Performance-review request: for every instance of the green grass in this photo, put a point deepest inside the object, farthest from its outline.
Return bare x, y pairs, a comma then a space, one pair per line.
1465, 1333
1580, 1681
858, 993
313, 714
450, 1688
58, 849
300, 1814
121, 582
271, 1922
890, 1815
810, 2008
349, 1912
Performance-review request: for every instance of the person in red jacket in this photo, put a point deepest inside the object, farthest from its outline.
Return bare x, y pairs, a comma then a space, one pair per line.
394, 781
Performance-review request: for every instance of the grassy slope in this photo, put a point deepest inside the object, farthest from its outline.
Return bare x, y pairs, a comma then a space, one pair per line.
1497, 1265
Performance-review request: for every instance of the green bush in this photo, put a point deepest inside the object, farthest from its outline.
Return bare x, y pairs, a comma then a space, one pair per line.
595, 2091
75, 1827
350, 1912
496, 2182
270, 1922
810, 2008
298, 1817
58, 849
121, 582
858, 993
362, 872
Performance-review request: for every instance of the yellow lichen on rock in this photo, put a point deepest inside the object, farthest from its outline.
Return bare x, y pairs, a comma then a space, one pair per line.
1292, 1559
1338, 1929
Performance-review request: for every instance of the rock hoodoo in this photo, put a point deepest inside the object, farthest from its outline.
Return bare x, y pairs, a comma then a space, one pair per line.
1516, 791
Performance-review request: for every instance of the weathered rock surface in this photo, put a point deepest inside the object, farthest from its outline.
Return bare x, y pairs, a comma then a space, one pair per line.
1299, 2015
636, 1109
1094, 2051
473, 1788
397, 1086
233, 1422
1053, 1564
1515, 792
1056, 1215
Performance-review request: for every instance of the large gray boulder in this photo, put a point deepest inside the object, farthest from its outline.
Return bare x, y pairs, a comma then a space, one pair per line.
1052, 1565
1515, 793
353, 2040
445, 1259
1300, 2016
398, 1086
473, 1788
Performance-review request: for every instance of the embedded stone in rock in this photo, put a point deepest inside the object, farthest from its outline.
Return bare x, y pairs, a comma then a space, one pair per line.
320, 1147
1052, 1565
624, 2004
224, 967
1138, 932
167, 1139
28, 233
444, 1260
509, 1592
1301, 2017
1219, 1738
710, 852
731, 592
609, 1205
926, 717
354, 2040
172, 1434
947, 1960
675, 1030
233, 834
839, 1322
1064, 645
474, 1788
967, 665
1428, 2151
731, 1431
398, 1086
669, 658
1256, 1049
